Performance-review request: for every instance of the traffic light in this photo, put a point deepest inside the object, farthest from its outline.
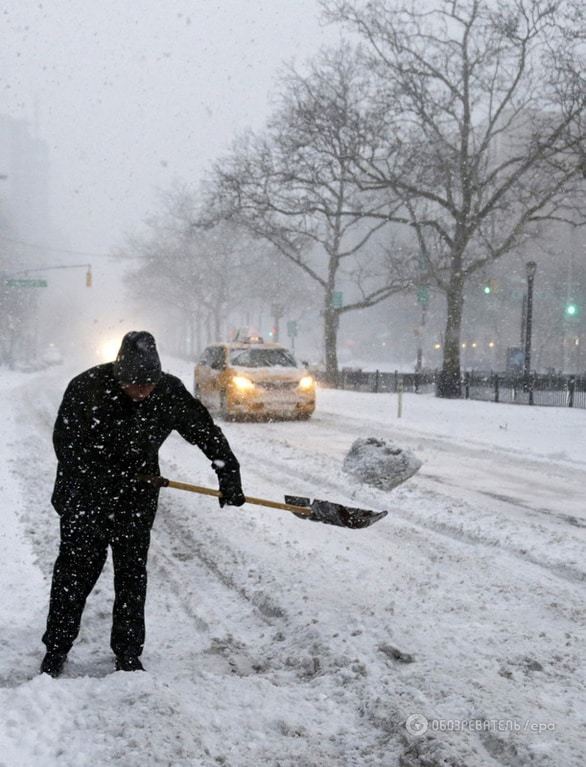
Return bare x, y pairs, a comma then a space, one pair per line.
489, 287
88, 277
571, 310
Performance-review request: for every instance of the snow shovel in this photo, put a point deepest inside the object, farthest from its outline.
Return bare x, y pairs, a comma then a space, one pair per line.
319, 511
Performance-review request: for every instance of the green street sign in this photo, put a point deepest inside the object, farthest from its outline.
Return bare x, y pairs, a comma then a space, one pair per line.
337, 299
27, 283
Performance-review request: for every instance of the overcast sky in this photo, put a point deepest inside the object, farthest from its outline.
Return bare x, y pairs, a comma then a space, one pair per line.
135, 94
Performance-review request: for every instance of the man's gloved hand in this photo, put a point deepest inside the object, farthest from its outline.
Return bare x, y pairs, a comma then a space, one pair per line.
232, 494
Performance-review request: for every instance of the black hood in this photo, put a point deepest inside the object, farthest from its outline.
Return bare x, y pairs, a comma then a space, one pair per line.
138, 360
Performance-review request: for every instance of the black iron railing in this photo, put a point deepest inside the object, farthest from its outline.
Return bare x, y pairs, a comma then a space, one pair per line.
536, 389
379, 381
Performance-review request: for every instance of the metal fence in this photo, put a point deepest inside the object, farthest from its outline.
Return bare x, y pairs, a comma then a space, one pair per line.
537, 389
378, 381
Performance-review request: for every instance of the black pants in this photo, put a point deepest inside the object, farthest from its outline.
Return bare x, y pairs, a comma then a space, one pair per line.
84, 545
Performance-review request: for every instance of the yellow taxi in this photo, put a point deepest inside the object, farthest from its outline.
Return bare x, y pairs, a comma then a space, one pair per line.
252, 378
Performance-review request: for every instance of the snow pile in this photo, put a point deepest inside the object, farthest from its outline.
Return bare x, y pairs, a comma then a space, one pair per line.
380, 462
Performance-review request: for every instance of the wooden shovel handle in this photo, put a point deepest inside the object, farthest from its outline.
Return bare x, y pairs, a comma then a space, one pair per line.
303, 510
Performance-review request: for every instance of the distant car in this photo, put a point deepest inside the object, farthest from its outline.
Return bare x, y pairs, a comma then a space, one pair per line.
252, 378
52, 356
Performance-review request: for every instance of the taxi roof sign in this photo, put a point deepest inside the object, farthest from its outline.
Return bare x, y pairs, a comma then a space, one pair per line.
244, 336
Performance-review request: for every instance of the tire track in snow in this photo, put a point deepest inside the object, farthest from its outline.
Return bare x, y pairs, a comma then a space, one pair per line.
311, 481
265, 607
565, 475
263, 659
569, 519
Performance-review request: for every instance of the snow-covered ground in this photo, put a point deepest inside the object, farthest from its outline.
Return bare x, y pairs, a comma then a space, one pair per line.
280, 642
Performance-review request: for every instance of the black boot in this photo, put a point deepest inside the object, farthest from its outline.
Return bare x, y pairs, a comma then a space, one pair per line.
53, 663
128, 663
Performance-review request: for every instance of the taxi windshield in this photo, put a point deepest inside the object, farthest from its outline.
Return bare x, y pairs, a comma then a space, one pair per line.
262, 358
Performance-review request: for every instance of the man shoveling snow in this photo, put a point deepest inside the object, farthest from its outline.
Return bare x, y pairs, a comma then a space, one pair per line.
110, 426
111, 423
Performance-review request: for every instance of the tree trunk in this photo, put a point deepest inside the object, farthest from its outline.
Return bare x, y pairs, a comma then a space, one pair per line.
449, 382
331, 323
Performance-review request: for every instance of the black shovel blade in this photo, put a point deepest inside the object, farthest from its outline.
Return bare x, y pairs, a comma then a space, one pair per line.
336, 514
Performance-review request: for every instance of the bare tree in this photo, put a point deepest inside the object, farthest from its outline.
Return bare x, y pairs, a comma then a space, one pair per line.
484, 105
200, 273
292, 186
183, 271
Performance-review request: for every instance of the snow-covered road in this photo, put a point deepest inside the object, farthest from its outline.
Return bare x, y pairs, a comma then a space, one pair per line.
276, 641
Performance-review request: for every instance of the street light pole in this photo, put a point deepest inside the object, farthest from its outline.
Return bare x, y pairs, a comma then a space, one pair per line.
523, 320
531, 268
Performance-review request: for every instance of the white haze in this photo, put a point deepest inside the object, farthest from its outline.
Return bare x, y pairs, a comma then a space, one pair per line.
130, 99
131, 96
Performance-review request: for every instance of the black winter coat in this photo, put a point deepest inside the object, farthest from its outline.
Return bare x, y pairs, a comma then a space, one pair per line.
103, 439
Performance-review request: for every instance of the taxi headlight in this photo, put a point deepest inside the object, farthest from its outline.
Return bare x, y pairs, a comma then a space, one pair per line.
307, 383
243, 384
